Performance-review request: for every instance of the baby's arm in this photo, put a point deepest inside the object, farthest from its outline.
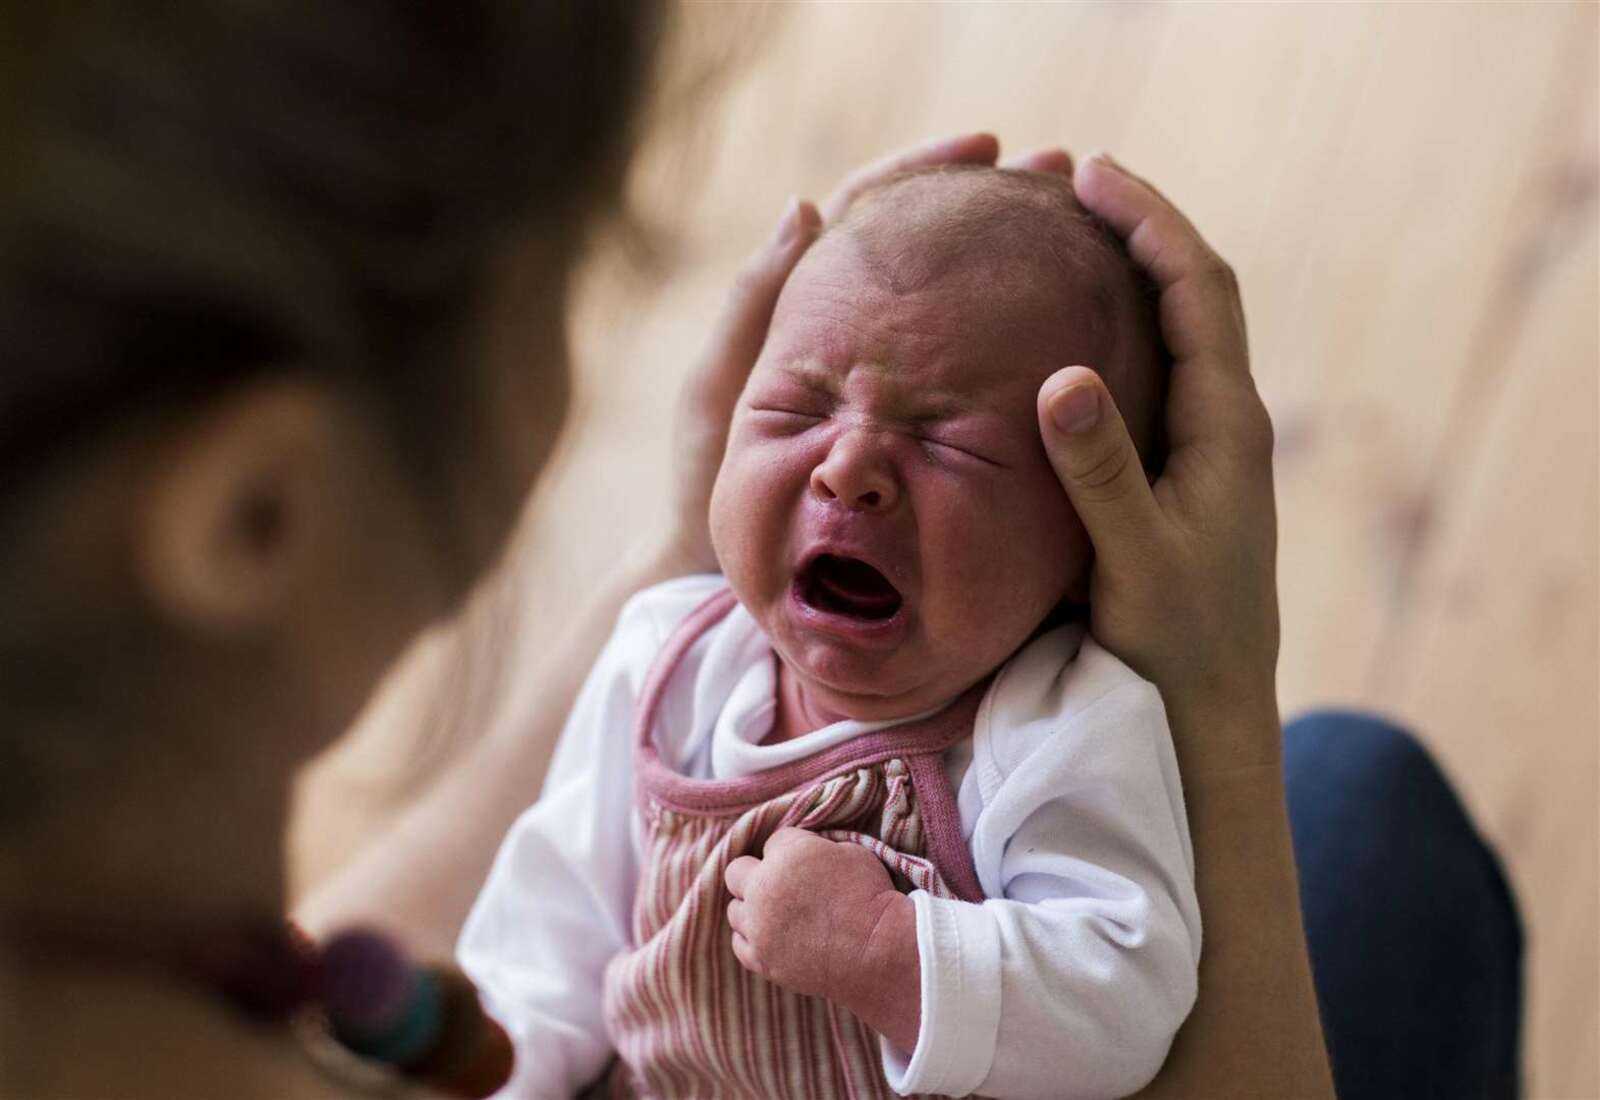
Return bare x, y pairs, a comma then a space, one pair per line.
823, 918
1070, 983
1073, 979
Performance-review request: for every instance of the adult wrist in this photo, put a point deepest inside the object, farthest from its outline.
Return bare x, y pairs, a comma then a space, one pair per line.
1222, 730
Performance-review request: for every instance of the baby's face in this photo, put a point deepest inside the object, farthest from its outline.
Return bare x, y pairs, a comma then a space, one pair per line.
885, 509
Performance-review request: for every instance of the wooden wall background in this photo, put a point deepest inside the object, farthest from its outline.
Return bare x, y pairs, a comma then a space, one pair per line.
1408, 193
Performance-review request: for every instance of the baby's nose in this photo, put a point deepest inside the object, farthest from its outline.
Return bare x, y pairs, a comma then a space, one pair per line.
855, 475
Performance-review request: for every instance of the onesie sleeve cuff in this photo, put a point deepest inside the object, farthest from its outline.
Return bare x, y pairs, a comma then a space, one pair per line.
959, 946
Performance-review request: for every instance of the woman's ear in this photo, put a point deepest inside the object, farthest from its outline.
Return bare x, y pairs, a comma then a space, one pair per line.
237, 507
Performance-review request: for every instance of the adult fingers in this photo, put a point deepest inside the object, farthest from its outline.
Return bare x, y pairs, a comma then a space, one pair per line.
1130, 204
1201, 314
1092, 454
1052, 160
711, 390
742, 328
739, 873
962, 149
1218, 411
736, 915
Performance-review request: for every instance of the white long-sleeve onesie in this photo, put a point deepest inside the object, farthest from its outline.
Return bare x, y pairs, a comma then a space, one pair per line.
1070, 981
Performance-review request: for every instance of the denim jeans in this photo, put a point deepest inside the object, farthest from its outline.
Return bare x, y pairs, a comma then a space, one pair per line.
1414, 936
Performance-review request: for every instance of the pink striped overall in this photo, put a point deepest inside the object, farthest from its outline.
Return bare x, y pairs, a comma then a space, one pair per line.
686, 1019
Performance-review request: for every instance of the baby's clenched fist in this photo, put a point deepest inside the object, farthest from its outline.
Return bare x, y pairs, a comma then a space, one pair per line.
814, 916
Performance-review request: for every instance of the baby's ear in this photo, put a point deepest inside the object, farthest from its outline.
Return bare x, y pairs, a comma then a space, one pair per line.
1071, 609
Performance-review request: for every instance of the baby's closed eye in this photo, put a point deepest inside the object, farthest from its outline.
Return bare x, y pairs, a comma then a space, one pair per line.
788, 405
964, 450
788, 408
780, 419
963, 438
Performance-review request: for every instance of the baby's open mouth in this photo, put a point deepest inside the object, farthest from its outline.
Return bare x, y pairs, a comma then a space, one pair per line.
848, 586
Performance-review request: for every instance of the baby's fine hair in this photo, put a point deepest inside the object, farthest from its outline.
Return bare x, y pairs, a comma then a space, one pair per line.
919, 224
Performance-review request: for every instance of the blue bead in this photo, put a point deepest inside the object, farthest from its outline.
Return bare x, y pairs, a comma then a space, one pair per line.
412, 1036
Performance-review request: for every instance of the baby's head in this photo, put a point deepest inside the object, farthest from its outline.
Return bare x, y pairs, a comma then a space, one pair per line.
885, 509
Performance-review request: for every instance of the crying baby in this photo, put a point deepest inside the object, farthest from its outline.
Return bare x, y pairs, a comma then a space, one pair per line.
871, 814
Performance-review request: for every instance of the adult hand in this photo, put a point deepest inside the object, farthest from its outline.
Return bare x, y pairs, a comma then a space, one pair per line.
1184, 590
1184, 585
709, 394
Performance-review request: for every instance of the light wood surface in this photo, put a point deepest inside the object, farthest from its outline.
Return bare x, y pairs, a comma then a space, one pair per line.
1408, 193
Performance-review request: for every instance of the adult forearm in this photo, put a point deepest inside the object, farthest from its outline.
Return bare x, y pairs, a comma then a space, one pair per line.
1255, 1030
418, 879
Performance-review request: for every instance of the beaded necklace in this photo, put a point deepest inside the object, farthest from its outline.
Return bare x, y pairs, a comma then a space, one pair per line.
423, 1022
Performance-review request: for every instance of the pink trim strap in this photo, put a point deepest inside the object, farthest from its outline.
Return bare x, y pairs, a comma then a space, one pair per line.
921, 744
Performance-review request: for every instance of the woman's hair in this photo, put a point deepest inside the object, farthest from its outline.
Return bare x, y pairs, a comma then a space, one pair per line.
201, 190
196, 192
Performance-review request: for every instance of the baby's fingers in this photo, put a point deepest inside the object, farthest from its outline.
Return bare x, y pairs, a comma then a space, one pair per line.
739, 873
746, 954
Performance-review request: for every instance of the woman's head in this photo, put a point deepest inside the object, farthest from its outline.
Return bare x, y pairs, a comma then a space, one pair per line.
282, 288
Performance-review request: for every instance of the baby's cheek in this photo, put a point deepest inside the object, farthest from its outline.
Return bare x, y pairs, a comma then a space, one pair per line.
978, 582
1075, 559
751, 506
1057, 540
1025, 554
736, 522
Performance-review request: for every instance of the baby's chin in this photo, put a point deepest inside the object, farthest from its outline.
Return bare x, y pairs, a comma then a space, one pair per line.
867, 688
880, 708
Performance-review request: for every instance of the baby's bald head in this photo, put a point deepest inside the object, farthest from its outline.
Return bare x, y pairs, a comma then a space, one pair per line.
891, 423
1003, 236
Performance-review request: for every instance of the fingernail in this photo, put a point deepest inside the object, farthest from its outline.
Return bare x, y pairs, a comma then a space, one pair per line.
1076, 409
789, 224
1108, 160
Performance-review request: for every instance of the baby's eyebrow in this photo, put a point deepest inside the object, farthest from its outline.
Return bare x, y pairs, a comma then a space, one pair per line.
925, 406
911, 404
812, 376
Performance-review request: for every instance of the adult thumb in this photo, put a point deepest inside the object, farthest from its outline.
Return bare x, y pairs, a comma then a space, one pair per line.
1089, 447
